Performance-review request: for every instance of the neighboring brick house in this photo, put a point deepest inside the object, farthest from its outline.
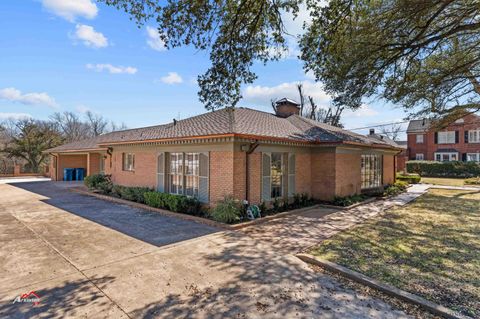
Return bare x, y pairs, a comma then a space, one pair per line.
242, 152
459, 141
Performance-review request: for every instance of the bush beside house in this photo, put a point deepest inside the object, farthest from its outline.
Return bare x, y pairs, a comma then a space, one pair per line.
444, 169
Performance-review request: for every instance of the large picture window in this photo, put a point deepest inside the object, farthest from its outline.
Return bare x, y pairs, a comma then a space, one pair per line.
277, 175
128, 160
474, 136
446, 137
371, 171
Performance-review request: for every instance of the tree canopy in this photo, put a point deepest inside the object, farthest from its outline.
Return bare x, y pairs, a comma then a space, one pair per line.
423, 55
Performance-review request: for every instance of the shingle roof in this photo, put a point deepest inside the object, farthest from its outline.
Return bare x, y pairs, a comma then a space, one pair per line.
242, 121
416, 126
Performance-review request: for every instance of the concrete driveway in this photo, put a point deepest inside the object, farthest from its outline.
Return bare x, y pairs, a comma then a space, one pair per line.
86, 257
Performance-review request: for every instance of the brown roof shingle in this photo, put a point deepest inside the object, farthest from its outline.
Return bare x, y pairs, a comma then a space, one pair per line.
243, 121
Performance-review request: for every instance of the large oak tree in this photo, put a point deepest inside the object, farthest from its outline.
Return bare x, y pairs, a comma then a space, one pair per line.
423, 55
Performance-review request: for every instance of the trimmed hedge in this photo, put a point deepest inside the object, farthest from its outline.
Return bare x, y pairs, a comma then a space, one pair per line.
409, 178
444, 169
473, 181
175, 203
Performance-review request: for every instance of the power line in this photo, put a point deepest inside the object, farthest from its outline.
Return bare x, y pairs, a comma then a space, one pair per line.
379, 125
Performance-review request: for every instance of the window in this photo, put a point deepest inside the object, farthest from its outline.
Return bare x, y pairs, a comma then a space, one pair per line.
473, 157
474, 136
446, 137
102, 164
446, 157
191, 174
419, 138
371, 171
128, 161
276, 175
419, 157
176, 173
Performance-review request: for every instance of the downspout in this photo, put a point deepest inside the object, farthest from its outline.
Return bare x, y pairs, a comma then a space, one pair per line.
250, 150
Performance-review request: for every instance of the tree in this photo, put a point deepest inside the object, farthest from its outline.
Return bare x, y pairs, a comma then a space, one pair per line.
392, 131
329, 116
97, 124
424, 55
420, 54
29, 139
71, 126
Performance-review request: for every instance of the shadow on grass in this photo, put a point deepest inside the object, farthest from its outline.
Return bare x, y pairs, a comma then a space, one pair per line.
429, 247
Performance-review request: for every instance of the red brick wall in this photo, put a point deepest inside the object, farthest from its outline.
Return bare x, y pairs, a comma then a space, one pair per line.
239, 175
71, 161
347, 172
401, 160
145, 173
255, 178
323, 175
428, 148
388, 169
94, 163
221, 175
303, 173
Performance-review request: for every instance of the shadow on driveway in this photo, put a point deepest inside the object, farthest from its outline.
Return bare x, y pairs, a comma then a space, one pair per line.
144, 225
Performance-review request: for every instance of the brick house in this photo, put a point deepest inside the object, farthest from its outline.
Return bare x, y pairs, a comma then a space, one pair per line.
459, 141
246, 153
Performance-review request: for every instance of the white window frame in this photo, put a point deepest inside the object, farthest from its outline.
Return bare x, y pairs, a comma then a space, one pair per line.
447, 137
419, 139
371, 171
191, 178
449, 154
282, 173
178, 174
128, 162
474, 136
419, 157
476, 157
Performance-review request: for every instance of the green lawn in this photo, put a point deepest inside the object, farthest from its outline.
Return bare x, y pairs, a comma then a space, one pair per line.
430, 247
443, 181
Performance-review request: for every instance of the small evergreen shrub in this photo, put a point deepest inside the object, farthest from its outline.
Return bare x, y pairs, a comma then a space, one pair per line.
93, 181
226, 211
395, 189
348, 200
473, 181
175, 203
409, 178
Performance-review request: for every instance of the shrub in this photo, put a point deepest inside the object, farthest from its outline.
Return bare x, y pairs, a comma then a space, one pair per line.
94, 180
263, 209
444, 169
409, 178
176, 203
395, 189
473, 181
348, 200
276, 205
226, 211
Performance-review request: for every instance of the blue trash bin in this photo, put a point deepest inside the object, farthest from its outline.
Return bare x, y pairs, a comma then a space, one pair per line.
68, 174
79, 174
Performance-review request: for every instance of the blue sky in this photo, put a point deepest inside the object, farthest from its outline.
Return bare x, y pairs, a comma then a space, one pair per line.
80, 55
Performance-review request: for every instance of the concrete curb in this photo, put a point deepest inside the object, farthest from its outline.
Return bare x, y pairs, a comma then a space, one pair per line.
197, 219
389, 290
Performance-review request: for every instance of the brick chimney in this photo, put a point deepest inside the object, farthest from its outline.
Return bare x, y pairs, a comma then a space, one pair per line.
286, 107
372, 131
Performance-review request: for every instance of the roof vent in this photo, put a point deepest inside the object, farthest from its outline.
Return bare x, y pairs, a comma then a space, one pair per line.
286, 107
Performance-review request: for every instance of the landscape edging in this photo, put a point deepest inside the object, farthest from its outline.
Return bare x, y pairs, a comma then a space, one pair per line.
191, 217
390, 290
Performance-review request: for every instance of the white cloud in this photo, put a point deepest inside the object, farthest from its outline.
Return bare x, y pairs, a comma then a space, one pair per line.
172, 78
262, 95
89, 36
154, 41
112, 69
14, 95
14, 116
71, 9
82, 108
364, 111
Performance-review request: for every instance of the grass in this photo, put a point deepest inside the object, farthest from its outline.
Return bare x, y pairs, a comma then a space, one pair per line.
429, 247
443, 181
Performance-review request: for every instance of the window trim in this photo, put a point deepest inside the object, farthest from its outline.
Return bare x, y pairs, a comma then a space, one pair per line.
477, 156
445, 153
471, 133
419, 158
180, 173
125, 157
282, 175
422, 139
448, 139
